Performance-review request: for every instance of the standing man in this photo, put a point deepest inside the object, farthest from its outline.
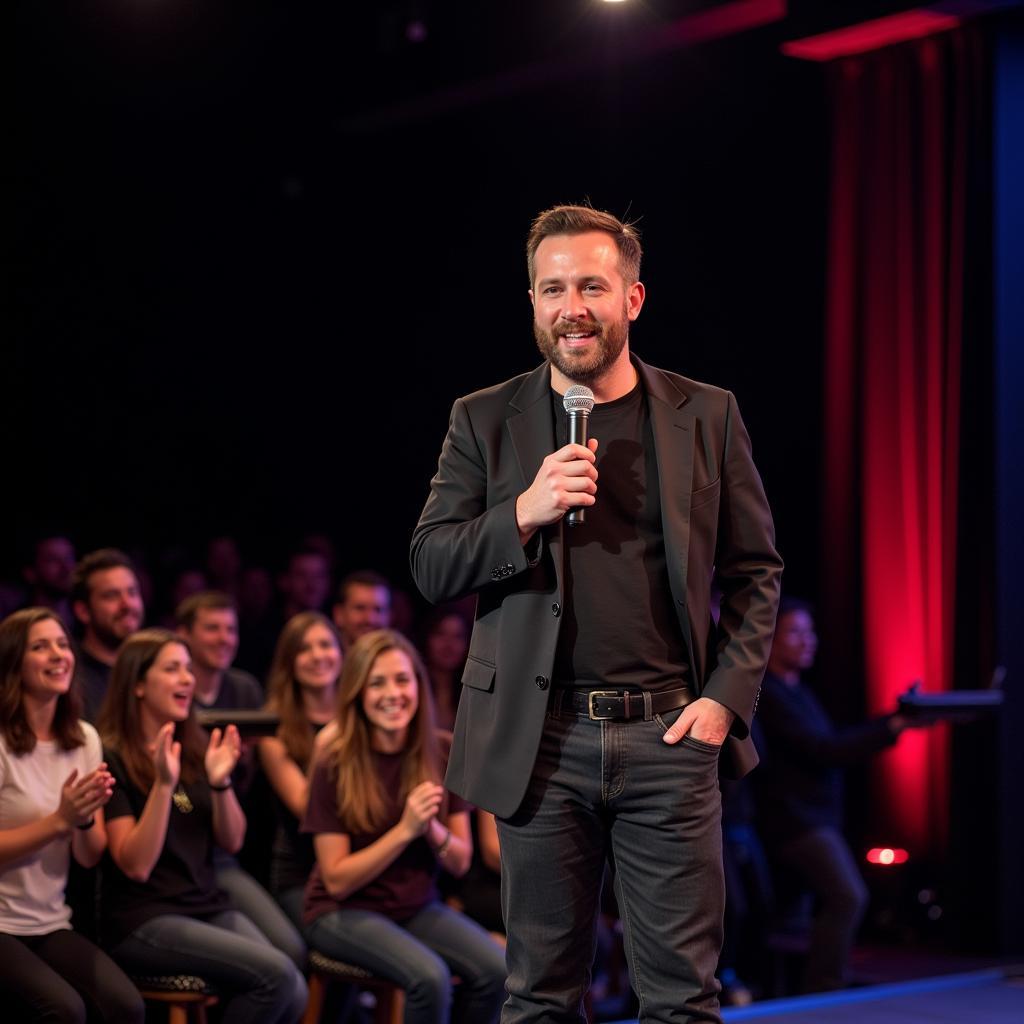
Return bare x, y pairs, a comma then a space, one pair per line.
107, 601
598, 692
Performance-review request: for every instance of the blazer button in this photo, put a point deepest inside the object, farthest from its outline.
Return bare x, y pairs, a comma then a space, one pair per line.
556, 609
542, 682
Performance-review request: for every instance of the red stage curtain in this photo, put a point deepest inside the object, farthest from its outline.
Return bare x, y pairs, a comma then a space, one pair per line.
896, 285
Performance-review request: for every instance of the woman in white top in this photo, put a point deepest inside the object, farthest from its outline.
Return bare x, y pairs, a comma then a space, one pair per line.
53, 787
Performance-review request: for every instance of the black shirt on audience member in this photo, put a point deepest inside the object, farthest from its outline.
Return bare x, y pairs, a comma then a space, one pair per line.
619, 624
92, 676
799, 785
182, 882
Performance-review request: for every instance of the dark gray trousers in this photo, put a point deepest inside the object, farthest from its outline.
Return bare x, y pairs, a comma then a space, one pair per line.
615, 790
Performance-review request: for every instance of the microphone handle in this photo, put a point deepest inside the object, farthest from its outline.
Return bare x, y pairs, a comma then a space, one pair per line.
578, 424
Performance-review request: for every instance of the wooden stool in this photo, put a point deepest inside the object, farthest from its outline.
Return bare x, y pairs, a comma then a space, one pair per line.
185, 995
322, 970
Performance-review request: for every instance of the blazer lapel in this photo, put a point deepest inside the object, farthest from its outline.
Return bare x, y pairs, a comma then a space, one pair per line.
674, 437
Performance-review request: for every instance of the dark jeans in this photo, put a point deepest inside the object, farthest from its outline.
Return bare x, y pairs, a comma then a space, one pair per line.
614, 789
421, 955
63, 977
824, 863
248, 896
257, 981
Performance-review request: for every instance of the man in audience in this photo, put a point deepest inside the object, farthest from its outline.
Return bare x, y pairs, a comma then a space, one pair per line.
107, 602
305, 582
208, 622
48, 574
363, 605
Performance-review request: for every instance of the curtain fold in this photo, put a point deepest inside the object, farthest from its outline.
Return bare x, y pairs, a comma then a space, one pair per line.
895, 336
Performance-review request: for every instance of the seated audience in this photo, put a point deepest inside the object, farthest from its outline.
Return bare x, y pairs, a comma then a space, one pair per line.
382, 826
161, 909
302, 688
53, 788
208, 623
107, 601
48, 576
363, 605
799, 787
444, 646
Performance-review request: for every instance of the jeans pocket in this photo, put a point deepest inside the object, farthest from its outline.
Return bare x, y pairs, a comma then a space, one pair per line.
701, 745
667, 719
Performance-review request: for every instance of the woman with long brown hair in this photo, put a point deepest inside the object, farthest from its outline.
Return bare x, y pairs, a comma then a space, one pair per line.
53, 788
161, 909
382, 826
302, 690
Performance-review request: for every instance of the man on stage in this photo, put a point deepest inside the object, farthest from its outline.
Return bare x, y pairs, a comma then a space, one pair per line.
599, 694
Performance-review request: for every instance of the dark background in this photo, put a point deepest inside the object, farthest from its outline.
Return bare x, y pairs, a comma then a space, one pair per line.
250, 274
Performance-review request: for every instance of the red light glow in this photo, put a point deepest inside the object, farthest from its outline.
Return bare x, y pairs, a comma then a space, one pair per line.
886, 856
870, 35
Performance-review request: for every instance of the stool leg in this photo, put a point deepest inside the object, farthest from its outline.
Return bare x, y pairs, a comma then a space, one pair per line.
177, 1014
314, 1004
390, 1005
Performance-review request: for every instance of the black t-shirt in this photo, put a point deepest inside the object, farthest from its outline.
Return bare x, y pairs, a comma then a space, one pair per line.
182, 881
799, 784
619, 624
292, 857
238, 689
92, 677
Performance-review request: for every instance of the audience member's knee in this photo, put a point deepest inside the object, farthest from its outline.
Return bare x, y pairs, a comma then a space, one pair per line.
432, 986
64, 1006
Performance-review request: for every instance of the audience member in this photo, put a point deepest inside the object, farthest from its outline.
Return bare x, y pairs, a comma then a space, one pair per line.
208, 623
363, 605
302, 690
258, 621
799, 792
382, 823
173, 802
305, 582
48, 575
107, 602
444, 647
223, 564
53, 788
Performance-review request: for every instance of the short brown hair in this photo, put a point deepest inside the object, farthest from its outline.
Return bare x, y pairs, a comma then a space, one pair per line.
94, 562
577, 220
206, 600
361, 578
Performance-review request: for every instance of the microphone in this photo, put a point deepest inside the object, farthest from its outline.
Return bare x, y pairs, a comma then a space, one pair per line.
578, 402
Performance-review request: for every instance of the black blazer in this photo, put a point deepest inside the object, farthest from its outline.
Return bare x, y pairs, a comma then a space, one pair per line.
715, 519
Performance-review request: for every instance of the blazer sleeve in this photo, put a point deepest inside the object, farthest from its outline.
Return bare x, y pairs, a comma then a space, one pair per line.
460, 544
749, 572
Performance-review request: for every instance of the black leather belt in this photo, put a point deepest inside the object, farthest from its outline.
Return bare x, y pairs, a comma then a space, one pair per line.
625, 705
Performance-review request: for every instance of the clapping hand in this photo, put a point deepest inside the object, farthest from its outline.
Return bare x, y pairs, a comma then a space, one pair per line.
222, 755
81, 798
421, 807
167, 756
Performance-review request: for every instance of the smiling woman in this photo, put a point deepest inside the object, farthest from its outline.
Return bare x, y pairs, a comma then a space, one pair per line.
53, 788
382, 827
162, 909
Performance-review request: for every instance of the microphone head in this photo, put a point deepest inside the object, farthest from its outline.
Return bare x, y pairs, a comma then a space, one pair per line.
578, 398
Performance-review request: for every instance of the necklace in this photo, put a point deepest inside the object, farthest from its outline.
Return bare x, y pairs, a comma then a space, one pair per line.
181, 800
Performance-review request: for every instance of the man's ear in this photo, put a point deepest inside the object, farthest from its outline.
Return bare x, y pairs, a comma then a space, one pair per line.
533, 301
81, 610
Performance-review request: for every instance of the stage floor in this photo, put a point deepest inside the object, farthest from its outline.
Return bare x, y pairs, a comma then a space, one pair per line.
994, 996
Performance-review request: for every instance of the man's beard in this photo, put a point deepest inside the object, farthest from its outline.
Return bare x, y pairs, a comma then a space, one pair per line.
583, 367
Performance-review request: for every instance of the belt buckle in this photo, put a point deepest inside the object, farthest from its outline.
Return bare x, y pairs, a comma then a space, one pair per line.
591, 696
